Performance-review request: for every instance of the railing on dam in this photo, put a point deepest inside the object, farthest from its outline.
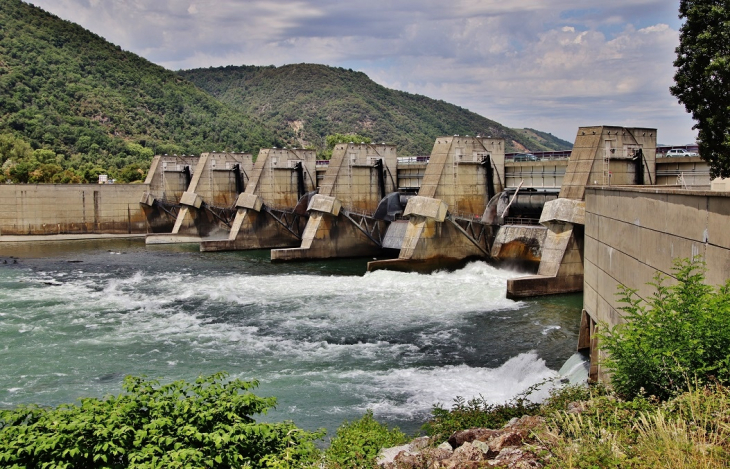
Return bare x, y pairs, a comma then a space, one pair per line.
537, 156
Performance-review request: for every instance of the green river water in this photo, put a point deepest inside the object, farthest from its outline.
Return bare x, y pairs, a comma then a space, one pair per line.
329, 340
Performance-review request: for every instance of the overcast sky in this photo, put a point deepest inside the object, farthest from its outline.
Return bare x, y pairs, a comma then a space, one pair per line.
552, 65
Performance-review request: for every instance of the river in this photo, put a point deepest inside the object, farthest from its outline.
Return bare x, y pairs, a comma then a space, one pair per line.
329, 340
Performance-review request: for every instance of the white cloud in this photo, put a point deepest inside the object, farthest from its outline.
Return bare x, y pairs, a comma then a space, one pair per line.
547, 64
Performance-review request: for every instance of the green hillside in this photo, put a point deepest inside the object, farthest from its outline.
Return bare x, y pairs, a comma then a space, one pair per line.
67, 90
538, 138
308, 102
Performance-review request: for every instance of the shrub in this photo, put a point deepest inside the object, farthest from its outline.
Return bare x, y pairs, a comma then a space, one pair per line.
208, 423
358, 443
680, 334
476, 413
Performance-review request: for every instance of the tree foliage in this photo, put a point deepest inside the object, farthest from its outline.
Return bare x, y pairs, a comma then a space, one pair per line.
702, 80
68, 91
332, 140
677, 337
208, 423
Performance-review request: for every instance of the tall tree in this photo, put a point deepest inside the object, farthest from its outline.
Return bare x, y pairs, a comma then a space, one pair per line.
703, 77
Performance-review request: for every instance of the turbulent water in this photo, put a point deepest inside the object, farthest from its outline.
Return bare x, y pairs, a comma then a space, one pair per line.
329, 340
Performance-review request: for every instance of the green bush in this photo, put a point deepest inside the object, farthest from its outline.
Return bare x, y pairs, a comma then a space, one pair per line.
208, 423
476, 413
358, 443
680, 335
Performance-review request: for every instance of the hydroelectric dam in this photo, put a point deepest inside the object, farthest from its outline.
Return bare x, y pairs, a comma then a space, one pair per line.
570, 220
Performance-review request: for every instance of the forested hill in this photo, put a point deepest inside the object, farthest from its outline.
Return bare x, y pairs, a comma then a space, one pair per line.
65, 89
309, 102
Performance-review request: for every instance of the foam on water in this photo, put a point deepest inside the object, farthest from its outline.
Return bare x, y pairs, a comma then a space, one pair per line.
422, 388
334, 345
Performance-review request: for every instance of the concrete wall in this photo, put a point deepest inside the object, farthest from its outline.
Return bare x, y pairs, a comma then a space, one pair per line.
273, 185
274, 179
688, 172
34, 209
352, 178
166, 178
535, 173
214, 179
633, 233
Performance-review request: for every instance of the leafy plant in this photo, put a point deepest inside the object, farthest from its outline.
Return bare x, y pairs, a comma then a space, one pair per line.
476, 413
681, 333
208, 423
703, 66
357, 444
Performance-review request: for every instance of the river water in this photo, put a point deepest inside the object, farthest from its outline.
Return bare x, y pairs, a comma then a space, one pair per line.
329, 340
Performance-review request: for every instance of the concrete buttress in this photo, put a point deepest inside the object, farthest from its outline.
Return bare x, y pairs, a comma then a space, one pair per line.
444, 220
341, 222
207, 205
271, 213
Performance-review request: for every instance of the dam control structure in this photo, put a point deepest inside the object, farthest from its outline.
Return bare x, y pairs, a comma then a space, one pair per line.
271, 212
206, 207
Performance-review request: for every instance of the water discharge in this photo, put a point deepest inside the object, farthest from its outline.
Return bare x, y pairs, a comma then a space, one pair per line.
327, 339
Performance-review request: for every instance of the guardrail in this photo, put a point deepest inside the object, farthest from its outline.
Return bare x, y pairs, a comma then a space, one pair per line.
539, 156
406, 160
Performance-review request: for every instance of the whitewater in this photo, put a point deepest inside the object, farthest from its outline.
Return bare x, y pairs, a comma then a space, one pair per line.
329, 340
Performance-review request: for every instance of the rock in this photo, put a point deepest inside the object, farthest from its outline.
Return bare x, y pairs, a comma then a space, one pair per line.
406, 460
515, 458
511, 422
464, 436
467, 452
446, 445
504, 440
419, 443
577, 407
437, 454
388, 457
481, 445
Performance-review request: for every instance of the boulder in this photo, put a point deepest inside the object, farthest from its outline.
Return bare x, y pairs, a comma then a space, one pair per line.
467, 436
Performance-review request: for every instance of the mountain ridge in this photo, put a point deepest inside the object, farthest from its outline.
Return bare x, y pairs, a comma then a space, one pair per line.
307, 102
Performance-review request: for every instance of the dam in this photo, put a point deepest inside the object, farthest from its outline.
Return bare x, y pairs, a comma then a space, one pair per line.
556, 215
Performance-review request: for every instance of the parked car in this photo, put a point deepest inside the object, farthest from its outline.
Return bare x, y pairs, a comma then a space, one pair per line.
680, 152
524, 157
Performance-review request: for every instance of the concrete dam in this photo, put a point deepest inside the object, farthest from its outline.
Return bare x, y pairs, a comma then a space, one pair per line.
556, 216
467, 200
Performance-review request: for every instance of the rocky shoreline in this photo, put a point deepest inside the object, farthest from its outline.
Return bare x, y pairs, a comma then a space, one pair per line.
518, 445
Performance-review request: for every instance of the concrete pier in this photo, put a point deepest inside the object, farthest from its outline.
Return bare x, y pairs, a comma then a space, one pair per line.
601, 156
271, 212
167, 180
445, 220
341, 216
207, 205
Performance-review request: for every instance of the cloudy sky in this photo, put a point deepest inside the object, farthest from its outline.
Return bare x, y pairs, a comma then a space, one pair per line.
553, 65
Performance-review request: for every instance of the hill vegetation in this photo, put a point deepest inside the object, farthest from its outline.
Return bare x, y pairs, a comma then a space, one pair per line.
91, 104
73, 105
307, 102
536, 139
